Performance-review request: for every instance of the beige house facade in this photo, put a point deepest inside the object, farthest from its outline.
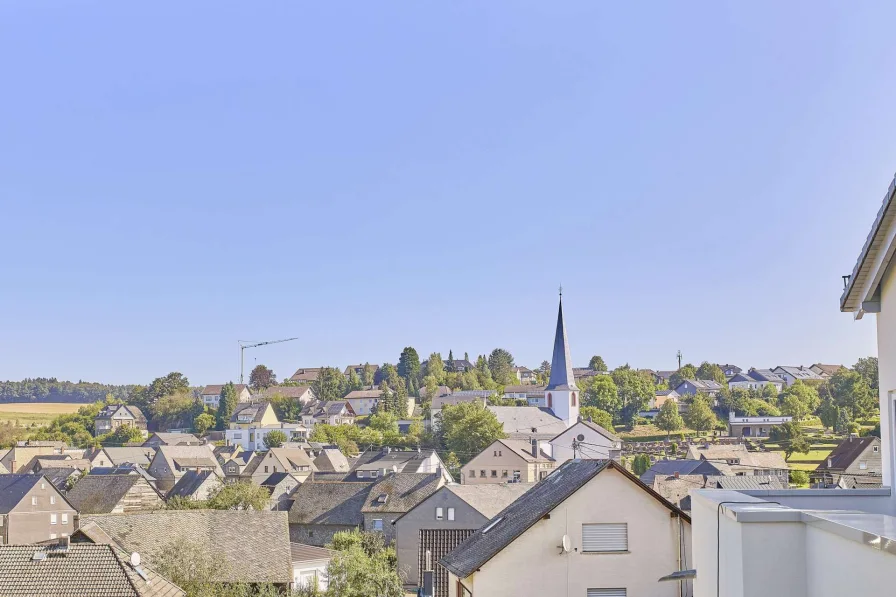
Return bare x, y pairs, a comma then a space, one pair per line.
620, 548
509, 461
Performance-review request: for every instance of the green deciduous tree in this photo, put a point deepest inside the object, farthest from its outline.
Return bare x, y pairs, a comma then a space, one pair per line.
363, 567
770, 393
329, 385
635, 389
124, 434
144, 398
601, 417
484, 374
799, 400
597, 364
202, 423
239, 496
791, 437
500, 363
867, 367
176, 410
468, 428
700, 415
602, 393
798, 477
368, 375
354, 381
261, 378
275, 439
850, 391
668, 418
640, 464
435, 367
711, 371
383, 421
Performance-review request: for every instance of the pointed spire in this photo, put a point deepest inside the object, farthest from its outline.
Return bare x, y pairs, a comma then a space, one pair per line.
561, 363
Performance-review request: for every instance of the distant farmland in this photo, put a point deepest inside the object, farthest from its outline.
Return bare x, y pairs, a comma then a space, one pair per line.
39, 413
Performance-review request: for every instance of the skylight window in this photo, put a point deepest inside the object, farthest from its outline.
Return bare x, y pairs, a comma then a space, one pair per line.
382, 498
492, 525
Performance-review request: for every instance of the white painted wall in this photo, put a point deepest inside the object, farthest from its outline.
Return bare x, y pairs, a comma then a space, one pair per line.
886, 354
598, 446
305, 573
533, 566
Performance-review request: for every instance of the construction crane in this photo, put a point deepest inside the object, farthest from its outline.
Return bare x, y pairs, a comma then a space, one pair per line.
244, 344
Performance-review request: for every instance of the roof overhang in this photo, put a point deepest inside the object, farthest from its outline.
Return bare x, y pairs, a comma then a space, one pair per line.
862, 293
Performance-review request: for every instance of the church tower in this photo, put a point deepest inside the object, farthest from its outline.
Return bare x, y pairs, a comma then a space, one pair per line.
562, 393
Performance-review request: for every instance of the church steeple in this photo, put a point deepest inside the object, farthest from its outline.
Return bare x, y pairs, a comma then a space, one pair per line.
561, 363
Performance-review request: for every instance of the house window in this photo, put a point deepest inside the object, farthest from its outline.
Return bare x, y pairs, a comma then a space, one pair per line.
265, 469
373, 474
33, 500
504, 474
43, 485
439, 514
605, 537
377, 524
482, 474
52, 499
65, 519
494, 474
450, 513
876, 449
606, 593
516, 475
53, 519
863, 465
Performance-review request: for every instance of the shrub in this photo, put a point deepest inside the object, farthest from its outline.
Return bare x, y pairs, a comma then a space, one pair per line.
799, 477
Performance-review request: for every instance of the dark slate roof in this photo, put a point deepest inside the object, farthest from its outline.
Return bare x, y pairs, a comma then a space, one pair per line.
133, 411
846, 453
405, 461
562, 377
13, 488
668, 468
254, 545
765, 375
327, 502
531, 507
274, 479
80, 570
59, 476
399, 492
189, 483
99, 494
664, 392
309, 553
172, 439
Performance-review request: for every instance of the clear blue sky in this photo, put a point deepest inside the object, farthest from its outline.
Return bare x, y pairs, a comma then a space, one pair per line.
175, 176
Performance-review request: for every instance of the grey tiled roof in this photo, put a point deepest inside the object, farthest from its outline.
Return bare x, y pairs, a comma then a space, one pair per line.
668, 468
489, 498
79, 571
172, 439
99, 494
765, 375
328, 502
399, 492
309, 553
254, 545
404, 461
216, 389
519, 421
59, 476
135, 455
562, 377
531, 507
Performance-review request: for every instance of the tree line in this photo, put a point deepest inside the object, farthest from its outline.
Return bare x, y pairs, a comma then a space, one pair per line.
50, 389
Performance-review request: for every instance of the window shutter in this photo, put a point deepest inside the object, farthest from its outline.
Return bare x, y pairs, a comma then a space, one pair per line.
606, 593
605, 537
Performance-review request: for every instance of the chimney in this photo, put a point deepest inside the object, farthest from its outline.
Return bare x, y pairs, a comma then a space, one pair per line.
63, 543
535, 447
590, 420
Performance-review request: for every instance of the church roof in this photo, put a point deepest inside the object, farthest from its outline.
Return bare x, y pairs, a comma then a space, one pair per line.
561, 363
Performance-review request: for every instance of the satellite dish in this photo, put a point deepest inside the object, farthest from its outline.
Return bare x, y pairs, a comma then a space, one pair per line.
135, 559
565, 543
